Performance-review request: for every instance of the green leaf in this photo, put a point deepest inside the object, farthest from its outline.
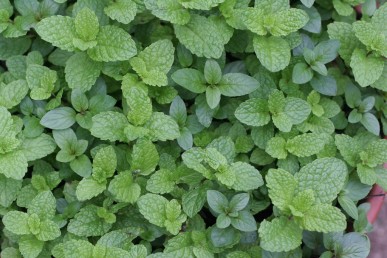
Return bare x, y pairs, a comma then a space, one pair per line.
217, 201
104, 163
82, 72
29, 246
122, 11
370, 36
168, 10
178, 110
89, 188
13, 93
325, 218
325, 176
213, 96
342, 8
136, 95
9, 189
212, 72
16, 222
348, 206
272, 52
59, 118
371, 123
325, 85
152, 207
109, 126
276, 148
209, 43
237, 84
43, 205
244, 222
375, 153
86, 25
307, 144
13, 165
282, 186
238, 202
162, 181
53, 28
247, 177
342, 31
154, 62
302, 73
162, 127
279, 235
326, 51
123, 188
38, 148
49, 230
193, 201
144, 157
191, 79
349, 148
288, 21
113, 44
87, 223
366, 69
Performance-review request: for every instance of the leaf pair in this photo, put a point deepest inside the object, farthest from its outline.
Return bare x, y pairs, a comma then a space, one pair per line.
308, 201
213, 83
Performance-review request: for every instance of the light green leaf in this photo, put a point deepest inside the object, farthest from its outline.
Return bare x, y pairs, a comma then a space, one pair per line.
136, 95
59, 118
325, 176
279, 235
104, 163
193, 201
123, 188
38, 148
86, 25
349, 148
53, 28
253, 112
342, 31
87, 223
161, 182
122, 11
168, 10
348, 206
16, 222
212, 72
201, 4
375, 153
152, 207
371, 123
325, 218
296, 109
307, 144
49, 230
13, 165
109, 126
237, 84
247, 177
144, 157
217, 201
302, 73
272, 52
213, 96
89, 188
276, 148
244, 222
366, 69
209, 43
288, 21
43, 205
29, 246
81, 72
162, 127
282, 186
370, 36
9, 189
13, 93
191, 79
154, 62
113, 44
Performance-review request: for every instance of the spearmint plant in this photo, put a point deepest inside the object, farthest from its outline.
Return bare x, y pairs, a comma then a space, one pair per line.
190, 128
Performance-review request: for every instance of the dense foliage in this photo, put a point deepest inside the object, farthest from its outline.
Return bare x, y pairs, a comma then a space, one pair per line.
190, 128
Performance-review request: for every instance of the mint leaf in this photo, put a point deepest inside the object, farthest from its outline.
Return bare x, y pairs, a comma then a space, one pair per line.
191, 79
272, 52
13, 93
325, 176
162, 127
122, 11
307, 144
109, 126
59, 118
113, 44
169, 10
123, 188
154, 62
366, 69
144, 157
16, 222
324, 218
282, 186
217, 201
53, 28
247, 178
280, 235
237, 84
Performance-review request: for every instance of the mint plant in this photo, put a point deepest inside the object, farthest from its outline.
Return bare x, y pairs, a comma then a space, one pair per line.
190, 128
